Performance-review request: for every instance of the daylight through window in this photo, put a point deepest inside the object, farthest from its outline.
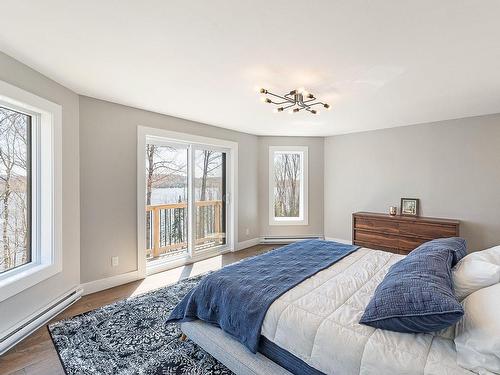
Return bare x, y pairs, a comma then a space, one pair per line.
288, 185
15, 130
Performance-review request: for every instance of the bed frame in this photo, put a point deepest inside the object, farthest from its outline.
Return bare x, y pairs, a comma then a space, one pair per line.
228, 351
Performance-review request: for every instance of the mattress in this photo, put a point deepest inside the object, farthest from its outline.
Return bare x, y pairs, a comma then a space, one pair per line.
317, 322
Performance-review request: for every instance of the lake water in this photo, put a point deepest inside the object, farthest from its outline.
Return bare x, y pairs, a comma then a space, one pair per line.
172, 195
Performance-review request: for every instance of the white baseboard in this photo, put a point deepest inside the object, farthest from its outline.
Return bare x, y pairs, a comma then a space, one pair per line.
248, 243
109, 282
27, 326
288, 239
348, 242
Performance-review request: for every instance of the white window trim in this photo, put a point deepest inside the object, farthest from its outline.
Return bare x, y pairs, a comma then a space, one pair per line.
46, 230
147, 133
304, 186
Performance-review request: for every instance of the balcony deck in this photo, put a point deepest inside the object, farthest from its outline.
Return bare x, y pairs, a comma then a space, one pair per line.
166, 228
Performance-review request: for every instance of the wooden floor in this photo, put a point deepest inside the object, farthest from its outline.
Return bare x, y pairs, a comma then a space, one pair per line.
36, 354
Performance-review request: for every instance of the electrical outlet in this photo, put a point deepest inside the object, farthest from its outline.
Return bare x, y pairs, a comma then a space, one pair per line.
114, 261
247, 231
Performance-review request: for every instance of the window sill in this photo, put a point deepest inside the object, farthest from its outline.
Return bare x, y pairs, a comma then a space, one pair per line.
288, 222
18, 280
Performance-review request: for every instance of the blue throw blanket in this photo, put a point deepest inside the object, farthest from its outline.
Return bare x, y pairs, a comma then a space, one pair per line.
237, 297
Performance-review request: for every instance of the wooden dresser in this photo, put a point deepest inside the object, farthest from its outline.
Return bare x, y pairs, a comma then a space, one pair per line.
399, 234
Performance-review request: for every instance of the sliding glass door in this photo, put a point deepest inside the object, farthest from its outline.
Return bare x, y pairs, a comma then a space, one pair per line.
210, 196
186, 194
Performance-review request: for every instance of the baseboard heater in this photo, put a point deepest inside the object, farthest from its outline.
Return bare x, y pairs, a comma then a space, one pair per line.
288, 239
38, 319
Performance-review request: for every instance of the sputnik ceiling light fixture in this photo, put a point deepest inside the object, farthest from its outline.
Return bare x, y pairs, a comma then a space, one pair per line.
296, 101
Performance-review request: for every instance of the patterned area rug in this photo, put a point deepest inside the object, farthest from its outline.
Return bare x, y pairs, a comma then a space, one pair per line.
131, 337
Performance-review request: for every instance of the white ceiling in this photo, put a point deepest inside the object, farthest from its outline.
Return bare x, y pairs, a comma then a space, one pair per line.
378, 63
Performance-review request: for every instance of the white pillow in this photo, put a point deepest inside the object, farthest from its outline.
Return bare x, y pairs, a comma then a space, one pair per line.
477, 336
475, 271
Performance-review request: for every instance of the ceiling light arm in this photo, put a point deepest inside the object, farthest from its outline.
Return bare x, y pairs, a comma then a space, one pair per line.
309, 100
278, 96
270, 101
311, 110
289, 106
318, 103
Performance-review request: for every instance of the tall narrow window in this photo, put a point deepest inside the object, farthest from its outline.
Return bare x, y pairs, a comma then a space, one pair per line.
288, 185
15, 189
30, 190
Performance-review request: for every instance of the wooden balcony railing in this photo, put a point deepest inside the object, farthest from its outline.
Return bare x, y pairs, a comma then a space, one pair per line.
166, 227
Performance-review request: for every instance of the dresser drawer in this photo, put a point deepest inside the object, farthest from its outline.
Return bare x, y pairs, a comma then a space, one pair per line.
375, 225
381, 239
407, 244
427, 231
375, 246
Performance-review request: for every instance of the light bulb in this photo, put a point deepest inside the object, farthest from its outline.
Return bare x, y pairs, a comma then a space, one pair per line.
303, 91
263, 91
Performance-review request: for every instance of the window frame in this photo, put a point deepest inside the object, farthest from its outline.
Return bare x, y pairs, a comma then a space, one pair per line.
46, 190
303, 219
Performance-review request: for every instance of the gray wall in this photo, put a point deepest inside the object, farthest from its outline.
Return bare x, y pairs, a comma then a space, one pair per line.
108, 167
452, 166
315, 187
25, 303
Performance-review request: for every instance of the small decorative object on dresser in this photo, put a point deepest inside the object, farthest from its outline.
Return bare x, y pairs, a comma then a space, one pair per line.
393, 210
399, 234
409, 206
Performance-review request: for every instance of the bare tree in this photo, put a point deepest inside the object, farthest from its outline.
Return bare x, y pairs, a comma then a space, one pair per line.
287, 181
161, 169
210, 162
14, 128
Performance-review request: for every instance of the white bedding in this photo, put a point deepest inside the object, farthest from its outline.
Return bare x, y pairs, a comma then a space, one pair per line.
317, 321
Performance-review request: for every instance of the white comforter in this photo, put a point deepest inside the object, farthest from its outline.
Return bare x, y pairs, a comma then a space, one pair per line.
317, 321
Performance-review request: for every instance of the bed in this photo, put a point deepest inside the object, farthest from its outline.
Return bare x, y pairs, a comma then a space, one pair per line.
313, 329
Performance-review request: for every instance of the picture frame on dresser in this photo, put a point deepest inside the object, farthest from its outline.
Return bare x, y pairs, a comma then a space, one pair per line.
410, 206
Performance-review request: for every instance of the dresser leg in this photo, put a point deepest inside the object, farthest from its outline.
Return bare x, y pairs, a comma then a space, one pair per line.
183, 337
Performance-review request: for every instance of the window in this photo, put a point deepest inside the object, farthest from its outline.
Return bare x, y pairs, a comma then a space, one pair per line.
288, 185
15, 189
30, 190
